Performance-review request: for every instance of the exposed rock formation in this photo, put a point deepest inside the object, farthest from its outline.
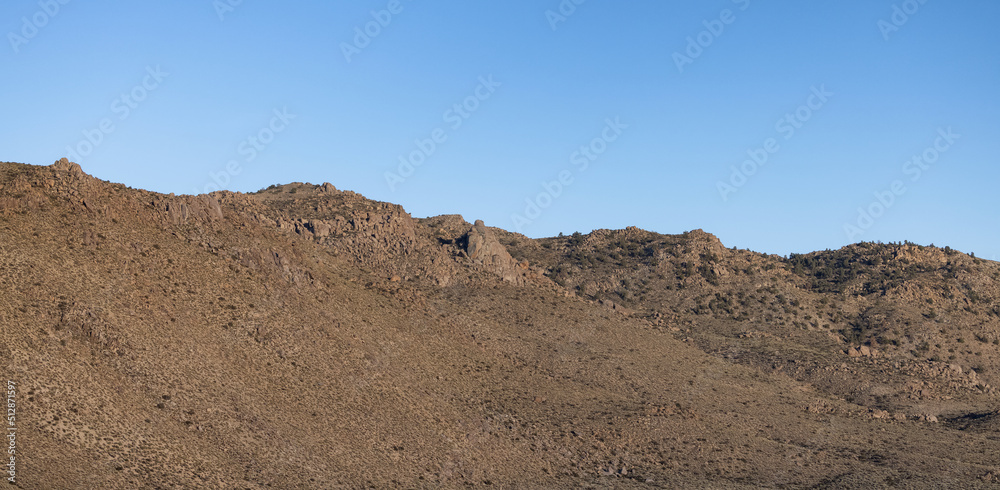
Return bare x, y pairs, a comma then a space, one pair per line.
202, 208
483, 248
292, 336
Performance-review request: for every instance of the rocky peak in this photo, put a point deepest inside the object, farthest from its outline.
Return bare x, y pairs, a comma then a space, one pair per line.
72, 168
482, 247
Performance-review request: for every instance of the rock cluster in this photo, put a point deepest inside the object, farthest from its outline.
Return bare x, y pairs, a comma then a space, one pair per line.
483, 248
184, 209
862, 351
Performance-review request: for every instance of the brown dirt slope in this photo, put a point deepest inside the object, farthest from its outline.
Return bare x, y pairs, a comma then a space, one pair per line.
306, 337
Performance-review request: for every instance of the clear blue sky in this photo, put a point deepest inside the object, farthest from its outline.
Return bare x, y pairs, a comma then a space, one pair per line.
184, 89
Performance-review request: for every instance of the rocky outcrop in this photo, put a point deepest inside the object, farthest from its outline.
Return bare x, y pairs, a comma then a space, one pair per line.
482, 247
184, 209
71, 168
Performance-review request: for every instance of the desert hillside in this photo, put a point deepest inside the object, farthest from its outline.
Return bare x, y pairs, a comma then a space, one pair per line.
304, 336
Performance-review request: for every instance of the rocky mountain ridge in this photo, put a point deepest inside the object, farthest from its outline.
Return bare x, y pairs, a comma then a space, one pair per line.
306, 336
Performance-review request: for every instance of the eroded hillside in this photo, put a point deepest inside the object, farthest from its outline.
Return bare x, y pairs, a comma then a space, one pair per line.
304, 336
900, 328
